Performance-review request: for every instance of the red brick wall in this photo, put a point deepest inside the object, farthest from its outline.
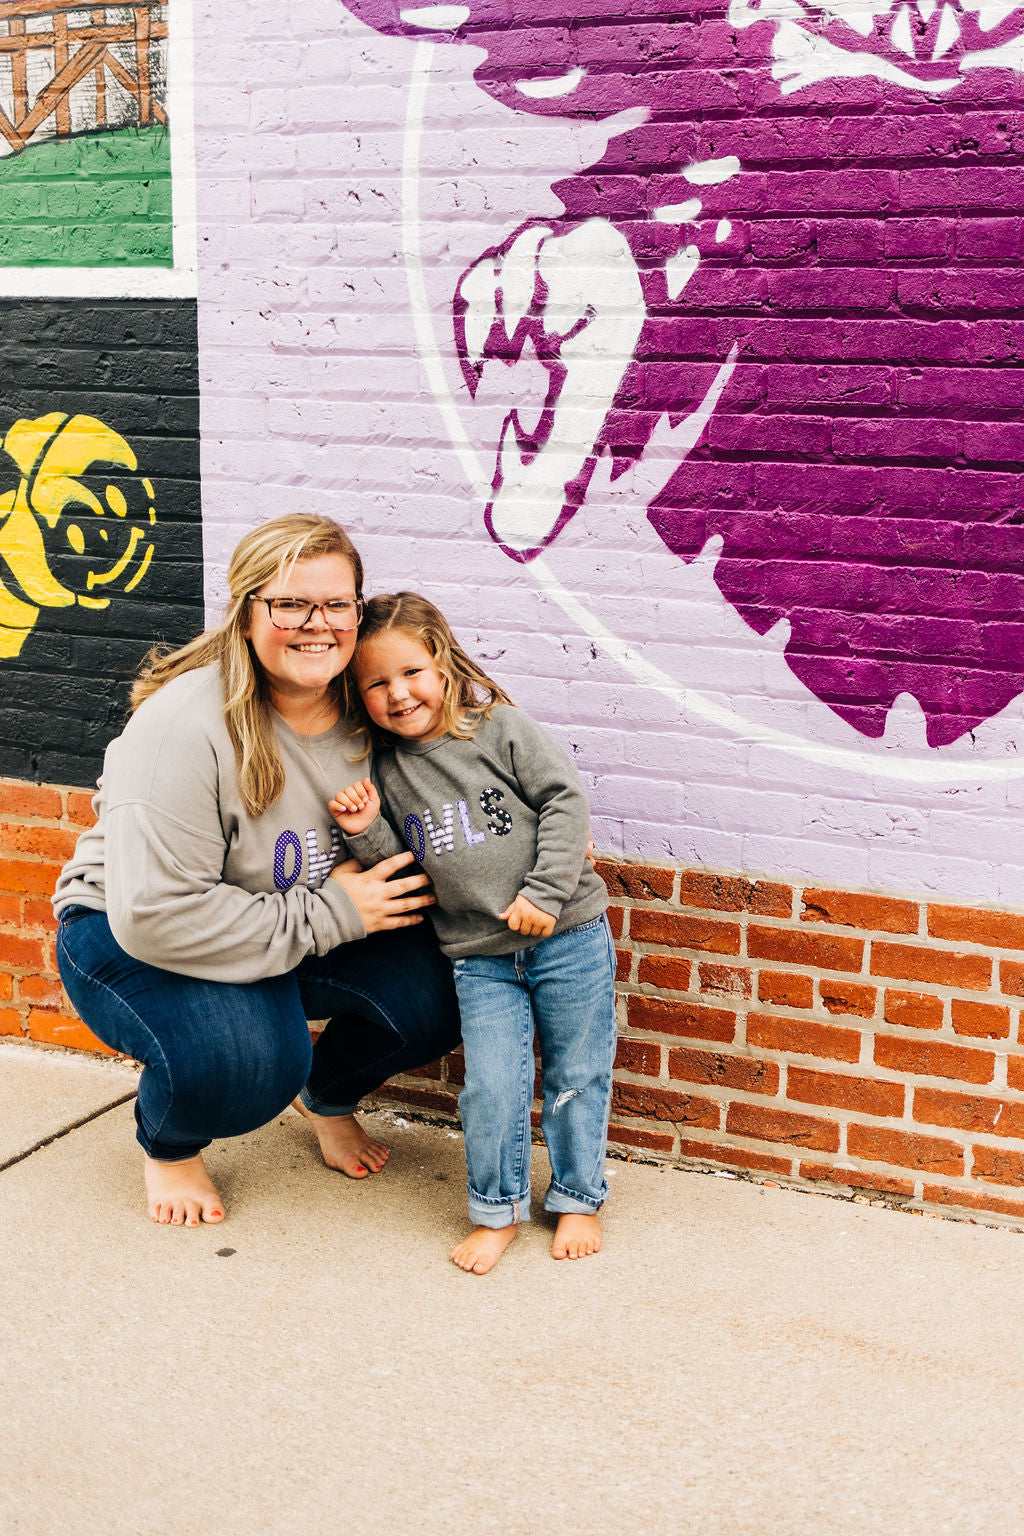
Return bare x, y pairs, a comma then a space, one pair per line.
863, 1042
39, 826
830, 1037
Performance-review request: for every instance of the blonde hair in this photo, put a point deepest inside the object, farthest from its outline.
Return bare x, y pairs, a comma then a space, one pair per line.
469, 694
270, 550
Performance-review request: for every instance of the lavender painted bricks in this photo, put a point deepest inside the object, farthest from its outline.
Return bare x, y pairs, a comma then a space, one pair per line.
791, 285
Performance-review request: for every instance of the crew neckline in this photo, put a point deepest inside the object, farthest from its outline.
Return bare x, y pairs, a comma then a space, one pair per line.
419, 748
340, 725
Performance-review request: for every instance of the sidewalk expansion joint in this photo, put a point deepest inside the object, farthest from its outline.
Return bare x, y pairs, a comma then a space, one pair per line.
76, 1125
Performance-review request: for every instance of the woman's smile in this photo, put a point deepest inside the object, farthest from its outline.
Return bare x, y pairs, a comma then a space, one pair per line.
299, 664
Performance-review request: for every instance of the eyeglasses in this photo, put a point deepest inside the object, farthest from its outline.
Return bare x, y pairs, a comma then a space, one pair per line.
339, 613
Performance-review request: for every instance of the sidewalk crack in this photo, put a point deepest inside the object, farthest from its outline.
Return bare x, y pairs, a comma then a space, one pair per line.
76, 1125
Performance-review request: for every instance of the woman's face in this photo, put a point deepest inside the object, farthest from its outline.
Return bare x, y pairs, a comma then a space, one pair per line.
300, 663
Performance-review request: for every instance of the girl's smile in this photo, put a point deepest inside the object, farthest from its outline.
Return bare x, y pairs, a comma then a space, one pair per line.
401, 686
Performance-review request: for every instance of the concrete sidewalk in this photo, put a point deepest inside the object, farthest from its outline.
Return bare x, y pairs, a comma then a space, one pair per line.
738, 1361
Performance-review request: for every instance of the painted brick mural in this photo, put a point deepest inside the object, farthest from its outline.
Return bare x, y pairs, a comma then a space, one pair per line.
100, 523
100, 534
676, 353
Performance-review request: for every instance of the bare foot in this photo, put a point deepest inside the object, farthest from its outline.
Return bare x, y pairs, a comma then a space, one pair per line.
345, 1144
482, 1249
576, 1237
181, 1194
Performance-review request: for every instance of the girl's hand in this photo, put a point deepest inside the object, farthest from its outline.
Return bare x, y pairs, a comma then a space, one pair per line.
523, 917
380, 902
357, 807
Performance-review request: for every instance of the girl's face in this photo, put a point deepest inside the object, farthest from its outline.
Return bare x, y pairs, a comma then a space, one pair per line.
401, 686
300, 663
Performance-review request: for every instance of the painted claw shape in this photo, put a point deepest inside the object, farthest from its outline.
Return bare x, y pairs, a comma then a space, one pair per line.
577, 298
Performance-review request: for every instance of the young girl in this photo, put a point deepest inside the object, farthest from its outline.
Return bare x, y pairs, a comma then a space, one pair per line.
497, 816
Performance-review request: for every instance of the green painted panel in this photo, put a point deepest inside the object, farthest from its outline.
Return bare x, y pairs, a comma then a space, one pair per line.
94, 200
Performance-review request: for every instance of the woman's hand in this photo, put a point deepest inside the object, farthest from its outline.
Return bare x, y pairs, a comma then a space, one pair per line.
380, 902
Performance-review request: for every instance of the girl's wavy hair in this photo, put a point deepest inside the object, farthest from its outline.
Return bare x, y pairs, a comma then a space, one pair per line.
469, 694
270, 550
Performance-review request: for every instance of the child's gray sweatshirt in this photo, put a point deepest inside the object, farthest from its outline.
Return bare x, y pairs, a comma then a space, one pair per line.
488, 818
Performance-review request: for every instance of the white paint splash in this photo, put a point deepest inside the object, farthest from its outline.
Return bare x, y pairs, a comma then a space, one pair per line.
545, 90
679, 213
710, 173
679, 269
436, 18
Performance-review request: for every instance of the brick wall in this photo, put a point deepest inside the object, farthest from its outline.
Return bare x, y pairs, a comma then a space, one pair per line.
100, 518
832, 1037
856, 492
39, 826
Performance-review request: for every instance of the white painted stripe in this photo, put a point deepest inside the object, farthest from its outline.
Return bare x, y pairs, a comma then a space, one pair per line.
97, 282
426, 341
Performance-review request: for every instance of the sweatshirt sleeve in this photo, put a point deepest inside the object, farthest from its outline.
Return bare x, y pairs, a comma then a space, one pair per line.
551, 786
379, 841
168, 787
168, 905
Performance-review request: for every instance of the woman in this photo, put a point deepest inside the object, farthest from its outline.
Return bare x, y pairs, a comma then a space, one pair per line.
203, 920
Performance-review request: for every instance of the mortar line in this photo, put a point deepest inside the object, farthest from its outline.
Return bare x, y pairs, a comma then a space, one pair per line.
76, 1125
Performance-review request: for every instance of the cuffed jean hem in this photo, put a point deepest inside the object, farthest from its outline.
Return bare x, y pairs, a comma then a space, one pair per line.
569, 1202
183, 1157
318, 1107
498, 1213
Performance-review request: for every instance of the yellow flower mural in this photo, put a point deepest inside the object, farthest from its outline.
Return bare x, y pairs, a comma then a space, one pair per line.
76, 529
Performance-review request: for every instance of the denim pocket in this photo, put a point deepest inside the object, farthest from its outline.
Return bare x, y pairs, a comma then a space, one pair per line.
595, 922
75, 914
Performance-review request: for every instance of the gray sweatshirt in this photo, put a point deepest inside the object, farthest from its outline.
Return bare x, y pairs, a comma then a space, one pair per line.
487, 818
189, 880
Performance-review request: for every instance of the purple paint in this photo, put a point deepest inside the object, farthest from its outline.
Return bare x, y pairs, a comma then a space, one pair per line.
855, 252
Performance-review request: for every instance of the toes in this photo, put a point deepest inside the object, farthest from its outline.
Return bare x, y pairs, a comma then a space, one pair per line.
374, 1156
570, 1244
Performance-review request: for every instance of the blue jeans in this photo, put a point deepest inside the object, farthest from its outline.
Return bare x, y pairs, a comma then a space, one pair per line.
221, 1058
565, 985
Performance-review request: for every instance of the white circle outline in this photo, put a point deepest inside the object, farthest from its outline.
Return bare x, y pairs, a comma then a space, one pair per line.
914, 769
